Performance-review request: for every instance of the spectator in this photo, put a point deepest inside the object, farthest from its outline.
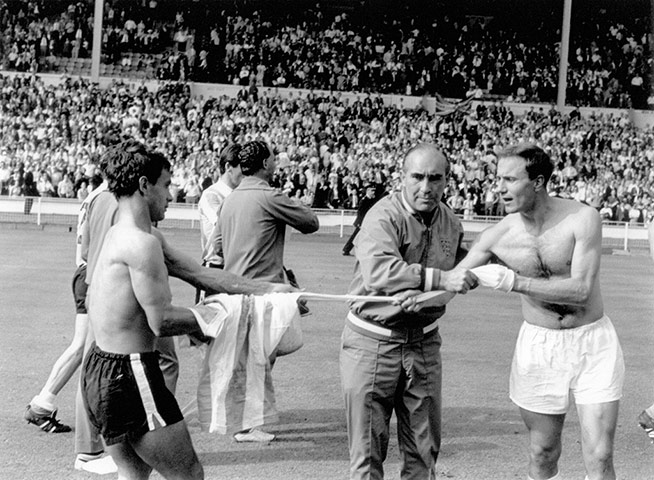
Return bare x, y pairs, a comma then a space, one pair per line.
192, 190
66, 187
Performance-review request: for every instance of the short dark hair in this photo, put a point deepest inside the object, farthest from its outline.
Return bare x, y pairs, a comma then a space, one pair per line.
537, 161
127, 162
96, 180
252, 156
229, 156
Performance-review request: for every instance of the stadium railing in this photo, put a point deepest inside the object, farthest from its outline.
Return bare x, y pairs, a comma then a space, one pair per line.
41, 211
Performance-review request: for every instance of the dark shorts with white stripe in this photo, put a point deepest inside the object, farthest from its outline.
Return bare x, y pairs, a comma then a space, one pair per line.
125, 395
79, 289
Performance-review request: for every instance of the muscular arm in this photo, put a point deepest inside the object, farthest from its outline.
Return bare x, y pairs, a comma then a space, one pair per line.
480, 253
584, 267
149, 280
213, 280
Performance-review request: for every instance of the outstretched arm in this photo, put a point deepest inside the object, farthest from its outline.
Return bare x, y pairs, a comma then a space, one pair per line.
213, 280
150, 285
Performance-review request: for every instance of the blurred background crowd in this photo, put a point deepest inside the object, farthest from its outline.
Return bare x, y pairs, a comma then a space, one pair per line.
330, 147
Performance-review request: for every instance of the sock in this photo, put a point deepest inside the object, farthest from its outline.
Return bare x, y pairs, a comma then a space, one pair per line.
555, 477
87, 457
44, 402
650, 411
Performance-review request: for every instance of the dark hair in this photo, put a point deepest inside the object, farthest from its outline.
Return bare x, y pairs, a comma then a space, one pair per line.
229, 156
95, 181
127, 162
537, 161
252, 156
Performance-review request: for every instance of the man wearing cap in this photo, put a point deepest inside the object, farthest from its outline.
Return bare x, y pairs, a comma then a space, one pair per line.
390, 357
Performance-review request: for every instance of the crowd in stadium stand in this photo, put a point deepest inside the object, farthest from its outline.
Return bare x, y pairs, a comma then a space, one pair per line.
405, 51
329, 149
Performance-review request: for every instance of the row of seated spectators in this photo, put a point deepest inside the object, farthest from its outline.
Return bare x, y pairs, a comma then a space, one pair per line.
402, 51
329, 149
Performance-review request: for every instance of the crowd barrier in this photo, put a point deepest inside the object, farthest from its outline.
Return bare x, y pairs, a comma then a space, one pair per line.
41, 211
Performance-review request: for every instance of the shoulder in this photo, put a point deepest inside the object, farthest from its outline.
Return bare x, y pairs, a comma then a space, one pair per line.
576, 212
449, 214
210, 196
156, 233
388, 206
140, 248
254, 183
492, 234
103, 199
134, 238
210, 190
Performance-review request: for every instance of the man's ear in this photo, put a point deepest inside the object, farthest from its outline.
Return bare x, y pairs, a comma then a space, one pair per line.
143, 185
539, 182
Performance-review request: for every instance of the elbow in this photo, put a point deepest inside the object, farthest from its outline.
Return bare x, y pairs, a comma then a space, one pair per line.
161, 328
581, 296
157, 330
311, 227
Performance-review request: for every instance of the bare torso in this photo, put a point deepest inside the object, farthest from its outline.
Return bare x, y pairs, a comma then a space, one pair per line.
119, 323
546, 252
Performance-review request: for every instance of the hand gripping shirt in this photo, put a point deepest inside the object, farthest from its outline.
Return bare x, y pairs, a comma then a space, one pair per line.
396, 251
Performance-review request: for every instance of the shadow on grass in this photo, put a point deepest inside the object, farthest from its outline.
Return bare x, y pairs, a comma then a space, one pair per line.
321, 435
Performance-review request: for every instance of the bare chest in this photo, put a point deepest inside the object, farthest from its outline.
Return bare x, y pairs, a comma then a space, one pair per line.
545, 254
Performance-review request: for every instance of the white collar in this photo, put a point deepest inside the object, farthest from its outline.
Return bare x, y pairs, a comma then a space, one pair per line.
223, 188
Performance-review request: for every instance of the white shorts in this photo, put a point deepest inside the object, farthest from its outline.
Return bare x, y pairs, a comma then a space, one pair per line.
549, 364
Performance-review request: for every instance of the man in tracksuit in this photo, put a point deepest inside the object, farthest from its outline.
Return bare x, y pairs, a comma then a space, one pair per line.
390, 358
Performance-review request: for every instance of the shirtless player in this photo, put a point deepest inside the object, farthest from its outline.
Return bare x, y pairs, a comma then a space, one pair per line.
552, 248
129, 306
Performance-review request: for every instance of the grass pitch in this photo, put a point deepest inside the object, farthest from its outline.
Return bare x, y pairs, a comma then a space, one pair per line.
483, 435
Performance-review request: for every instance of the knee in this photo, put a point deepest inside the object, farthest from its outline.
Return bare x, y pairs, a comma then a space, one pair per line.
545, 456
600, 455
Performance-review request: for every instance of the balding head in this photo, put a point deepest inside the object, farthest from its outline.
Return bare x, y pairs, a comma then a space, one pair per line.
425, 170
422, 149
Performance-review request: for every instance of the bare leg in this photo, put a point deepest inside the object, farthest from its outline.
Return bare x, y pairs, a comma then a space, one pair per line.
170, 452
69, 361
544, 443
130, 465
598, 422
42, 408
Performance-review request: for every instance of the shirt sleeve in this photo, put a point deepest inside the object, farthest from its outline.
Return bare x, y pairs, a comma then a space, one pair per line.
383, 267
81, 252
208, 206
296, 215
